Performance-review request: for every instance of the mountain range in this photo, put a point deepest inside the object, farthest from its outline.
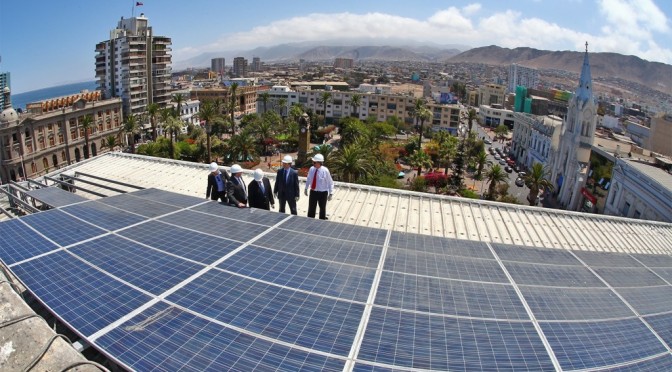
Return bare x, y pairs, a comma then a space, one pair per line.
655, 75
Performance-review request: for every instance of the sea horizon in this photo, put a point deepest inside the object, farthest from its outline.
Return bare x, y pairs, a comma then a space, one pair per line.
20, 100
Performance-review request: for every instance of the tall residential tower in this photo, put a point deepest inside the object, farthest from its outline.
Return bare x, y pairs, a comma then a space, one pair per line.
135, 65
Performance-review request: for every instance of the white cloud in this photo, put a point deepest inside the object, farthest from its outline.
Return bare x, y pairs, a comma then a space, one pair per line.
630, 27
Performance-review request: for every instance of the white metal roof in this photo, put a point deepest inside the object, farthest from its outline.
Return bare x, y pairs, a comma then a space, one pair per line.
420, 213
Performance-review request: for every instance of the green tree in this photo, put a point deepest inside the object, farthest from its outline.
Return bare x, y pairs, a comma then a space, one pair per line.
495, 176
471, 117
152, 113
501, 131
535, 180
264, 97
233, 105
110, 142
282, 107
86, 123
355, 102
165, 114
131, 128
242, 147
419, 159
423, 115
324, 100
481, 161
173, 126
447, 151
208, 114
352, 162
178, 99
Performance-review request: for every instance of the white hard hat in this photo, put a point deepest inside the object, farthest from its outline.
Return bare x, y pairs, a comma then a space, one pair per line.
258, 174
236, 169
318, 158
287, 159
213, 167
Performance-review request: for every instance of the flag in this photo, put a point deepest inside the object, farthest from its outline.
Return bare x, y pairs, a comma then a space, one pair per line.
137, 3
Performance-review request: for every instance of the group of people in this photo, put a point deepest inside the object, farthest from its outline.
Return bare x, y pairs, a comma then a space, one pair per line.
232, 190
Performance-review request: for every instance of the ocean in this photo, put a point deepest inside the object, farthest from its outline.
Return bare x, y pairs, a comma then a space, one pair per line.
20, 100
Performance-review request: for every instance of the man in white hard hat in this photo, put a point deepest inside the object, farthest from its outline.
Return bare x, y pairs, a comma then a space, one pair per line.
237, 191
286, 187
260, 192
217, 181
321, 187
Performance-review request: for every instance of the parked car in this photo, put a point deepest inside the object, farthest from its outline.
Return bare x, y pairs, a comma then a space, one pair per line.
502, 162
522, 174
487, 141
516, 168
497, 157
519, 182
508, 169
491, 150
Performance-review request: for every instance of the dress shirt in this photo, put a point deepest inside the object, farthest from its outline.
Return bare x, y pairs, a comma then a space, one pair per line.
324, 181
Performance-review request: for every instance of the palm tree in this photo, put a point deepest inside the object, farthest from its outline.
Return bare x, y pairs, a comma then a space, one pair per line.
447, 151
418, 104
265, 129
208, 114
355, 102
165, 115
152, 113
324, 99
481, 161
264, 97
282, 106
242, 147
173, 126
352, 162
423, 115
178, 98
233, 104
86, 123
131, 128
535, 180
471, 116
110, 142
419, 159
495, 176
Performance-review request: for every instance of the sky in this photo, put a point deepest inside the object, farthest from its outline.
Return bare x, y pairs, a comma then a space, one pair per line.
52, 42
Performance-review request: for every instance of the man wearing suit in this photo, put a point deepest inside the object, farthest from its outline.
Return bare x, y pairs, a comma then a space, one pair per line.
260, 193
237, 191
286, 187
217, 181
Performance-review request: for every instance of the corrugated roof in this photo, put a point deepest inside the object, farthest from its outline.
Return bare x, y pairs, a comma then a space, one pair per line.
420, 213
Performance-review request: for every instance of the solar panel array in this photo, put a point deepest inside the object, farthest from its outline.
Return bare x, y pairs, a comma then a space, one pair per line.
158, 280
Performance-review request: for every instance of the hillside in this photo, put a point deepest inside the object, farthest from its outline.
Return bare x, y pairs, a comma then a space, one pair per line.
656, 75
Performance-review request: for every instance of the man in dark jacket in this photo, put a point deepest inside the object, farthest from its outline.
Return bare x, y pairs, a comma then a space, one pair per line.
216, 183
237, 191
259, 192
286, 187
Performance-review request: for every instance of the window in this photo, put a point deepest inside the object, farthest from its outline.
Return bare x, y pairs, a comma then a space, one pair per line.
63, 157
33, 167
626, 209
637, 214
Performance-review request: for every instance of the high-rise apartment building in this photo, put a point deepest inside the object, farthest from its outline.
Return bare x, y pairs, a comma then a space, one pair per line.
135, 65
218, 65
521, 75
661, 134
256, 64
4, 83
344, 63
239, 66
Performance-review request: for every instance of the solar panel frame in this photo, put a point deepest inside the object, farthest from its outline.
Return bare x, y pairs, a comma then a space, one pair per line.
440, 245
629, 276
55, 196
660, 363
611, 259
62, 228
140, 206
648, 300
102, 215
662, 325
251, 215
518, 253
214, 225
15, 244
552, 275
336, 230
170, 198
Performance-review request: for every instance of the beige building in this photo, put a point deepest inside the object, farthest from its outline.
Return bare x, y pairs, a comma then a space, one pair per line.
246, 97
491, 94
49, 135
660, 138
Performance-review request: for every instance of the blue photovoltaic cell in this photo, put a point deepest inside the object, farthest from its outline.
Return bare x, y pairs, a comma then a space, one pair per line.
61, 228
143, 207
168, 339
181, 242
662, 363
611, 259
336, 230
654, 260
433, 244
443, 266
18, 242
629, 277
146, 268
665, 273
253, 215
218, 226
306, 320
662, 324
316, 246
551, 275
452, 297
648, 300
82, 296
328, 278
596, 344
416, 340
166, 197
55, 196
534, 255
361, 367
103, 215
548, 303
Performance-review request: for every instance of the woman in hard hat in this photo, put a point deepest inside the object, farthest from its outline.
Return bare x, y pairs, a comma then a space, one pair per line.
321, 187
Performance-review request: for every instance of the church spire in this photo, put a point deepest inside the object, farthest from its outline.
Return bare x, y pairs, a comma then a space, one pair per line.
585, 90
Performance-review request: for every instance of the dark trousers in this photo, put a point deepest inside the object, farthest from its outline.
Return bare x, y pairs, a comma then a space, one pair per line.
217, 195
290, 201
318, 198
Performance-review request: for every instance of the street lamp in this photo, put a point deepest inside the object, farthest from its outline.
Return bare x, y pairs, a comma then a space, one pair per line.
208, 130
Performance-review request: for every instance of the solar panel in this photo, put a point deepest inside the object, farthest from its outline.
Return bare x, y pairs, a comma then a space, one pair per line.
597, 344
654, 260
661, 363
665, 273
162, 281
55, 196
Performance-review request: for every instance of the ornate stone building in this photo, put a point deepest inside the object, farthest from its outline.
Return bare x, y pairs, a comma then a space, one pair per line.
570, 168
49, 135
